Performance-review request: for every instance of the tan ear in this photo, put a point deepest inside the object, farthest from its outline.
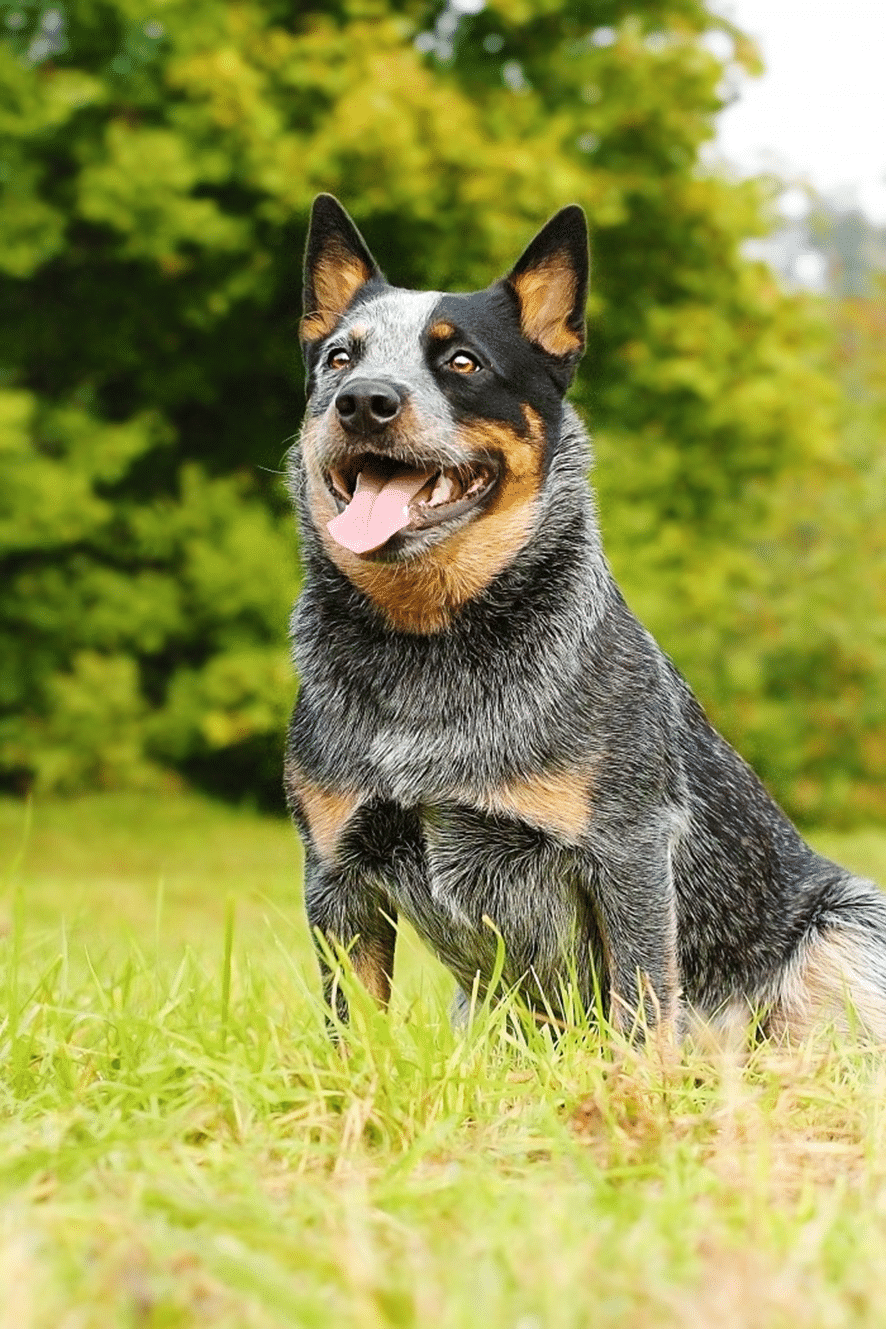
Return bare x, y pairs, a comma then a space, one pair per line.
550, 281
337, 265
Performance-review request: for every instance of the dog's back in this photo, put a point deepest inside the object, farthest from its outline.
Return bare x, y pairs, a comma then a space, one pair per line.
486, 740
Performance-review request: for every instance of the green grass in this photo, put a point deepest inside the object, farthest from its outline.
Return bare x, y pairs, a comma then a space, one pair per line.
181, 1144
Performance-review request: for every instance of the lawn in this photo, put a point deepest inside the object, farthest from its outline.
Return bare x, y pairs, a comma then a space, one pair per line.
180, 1143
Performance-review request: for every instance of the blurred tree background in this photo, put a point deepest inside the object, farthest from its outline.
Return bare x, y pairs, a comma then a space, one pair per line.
158, 163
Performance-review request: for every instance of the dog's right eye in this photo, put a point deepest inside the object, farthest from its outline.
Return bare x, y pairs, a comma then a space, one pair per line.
338, 359
464, 363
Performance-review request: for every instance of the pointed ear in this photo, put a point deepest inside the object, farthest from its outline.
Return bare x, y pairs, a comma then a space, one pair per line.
550, 281
337, 265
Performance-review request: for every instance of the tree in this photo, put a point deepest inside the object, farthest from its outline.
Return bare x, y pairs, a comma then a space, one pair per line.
160, 168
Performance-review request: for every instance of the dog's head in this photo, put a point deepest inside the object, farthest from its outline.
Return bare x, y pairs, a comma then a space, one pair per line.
430, 415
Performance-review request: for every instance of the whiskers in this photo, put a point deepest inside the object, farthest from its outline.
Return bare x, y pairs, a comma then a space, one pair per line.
293, 441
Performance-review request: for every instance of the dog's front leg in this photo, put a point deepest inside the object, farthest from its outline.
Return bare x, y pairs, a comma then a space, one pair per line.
636, 910
356, 863
347, 857
347, 912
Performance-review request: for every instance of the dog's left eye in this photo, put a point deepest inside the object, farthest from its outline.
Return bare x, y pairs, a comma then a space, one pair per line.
464, 363
338, 359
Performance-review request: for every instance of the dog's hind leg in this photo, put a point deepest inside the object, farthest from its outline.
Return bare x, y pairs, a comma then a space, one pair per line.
838, 976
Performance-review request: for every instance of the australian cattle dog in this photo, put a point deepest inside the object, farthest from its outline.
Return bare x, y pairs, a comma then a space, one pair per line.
487, 742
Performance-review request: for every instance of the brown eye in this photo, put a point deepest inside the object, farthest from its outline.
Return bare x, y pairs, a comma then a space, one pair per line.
463, 363
338, 359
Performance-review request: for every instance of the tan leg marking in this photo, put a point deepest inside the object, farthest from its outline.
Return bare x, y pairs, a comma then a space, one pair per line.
834, 983
559, 802
371, 963
422, 594
327, 814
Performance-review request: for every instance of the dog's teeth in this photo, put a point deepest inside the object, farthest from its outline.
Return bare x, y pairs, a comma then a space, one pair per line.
442, 490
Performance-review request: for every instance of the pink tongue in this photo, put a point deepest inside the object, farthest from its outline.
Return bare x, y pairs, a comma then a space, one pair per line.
379, 508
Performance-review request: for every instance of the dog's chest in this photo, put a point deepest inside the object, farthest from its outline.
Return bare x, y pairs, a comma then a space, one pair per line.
492, 882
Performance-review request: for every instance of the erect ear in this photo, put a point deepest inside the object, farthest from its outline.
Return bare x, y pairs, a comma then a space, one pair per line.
337, 265
550, 281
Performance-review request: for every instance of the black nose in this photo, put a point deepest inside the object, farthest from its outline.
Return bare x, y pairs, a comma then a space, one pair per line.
368, 405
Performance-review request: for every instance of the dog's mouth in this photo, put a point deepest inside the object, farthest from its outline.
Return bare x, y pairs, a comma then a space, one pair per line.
379, 497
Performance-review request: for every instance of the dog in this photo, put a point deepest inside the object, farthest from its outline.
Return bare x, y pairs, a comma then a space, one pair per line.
486, 741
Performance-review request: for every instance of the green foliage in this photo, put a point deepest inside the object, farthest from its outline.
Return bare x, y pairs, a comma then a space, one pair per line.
158, 171
115, 610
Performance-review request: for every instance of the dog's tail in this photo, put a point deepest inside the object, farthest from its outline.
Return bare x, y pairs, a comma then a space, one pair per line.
838, 974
